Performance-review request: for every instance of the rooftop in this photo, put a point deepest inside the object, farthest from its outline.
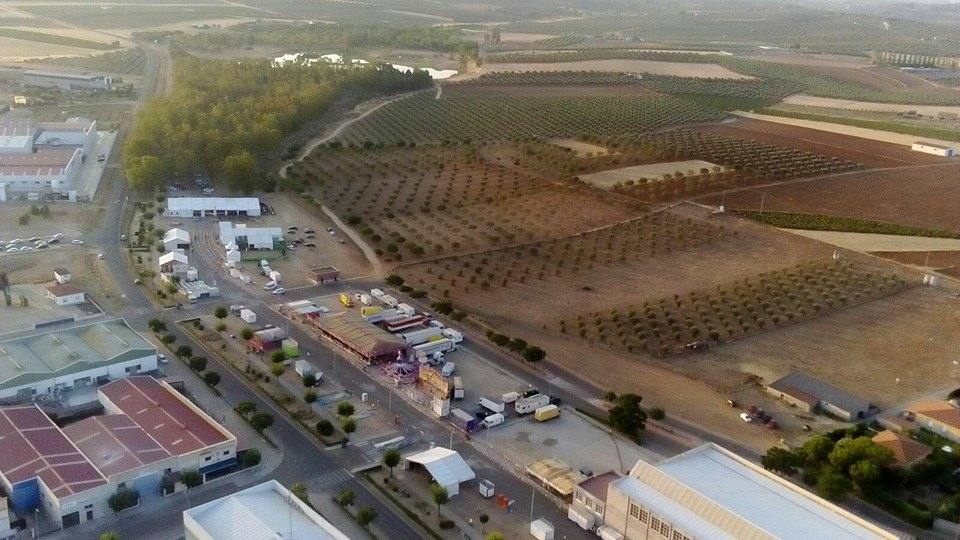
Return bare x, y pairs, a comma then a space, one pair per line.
176, 234
821, 390
366, 338
711, 492
61, 271
267, 511
64, 289
166, 416
44, 161
941, 411
211, 203
40, 356
114, 443
597, 485
32, 446
905, 450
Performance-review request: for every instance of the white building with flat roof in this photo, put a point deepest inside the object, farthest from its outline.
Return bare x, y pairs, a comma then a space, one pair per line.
212, 206
933, 148
712, 493
244, 237
43, 157
264, 511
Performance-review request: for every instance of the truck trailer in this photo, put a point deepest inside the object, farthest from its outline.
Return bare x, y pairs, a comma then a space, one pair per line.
442, 346
530, 404
423, 335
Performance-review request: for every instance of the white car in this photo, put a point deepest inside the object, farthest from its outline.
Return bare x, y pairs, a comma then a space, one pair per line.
746, 417
270, 286
99, 255
77, 242
279, 290
26, 248
13, 250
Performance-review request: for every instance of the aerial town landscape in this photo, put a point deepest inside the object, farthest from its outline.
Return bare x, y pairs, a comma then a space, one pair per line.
551, 269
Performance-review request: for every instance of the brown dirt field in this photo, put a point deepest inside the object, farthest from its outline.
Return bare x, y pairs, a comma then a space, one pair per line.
89, 273
66, 218
945, 262
922, 195
580, 148
865, 151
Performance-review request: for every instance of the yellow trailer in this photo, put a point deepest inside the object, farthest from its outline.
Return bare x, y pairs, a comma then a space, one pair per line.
547, 412
346, 300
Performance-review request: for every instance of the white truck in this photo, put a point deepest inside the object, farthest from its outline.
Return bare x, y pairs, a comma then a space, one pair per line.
406, 309
275, 276
493, 420
455, 336
366, 299
389, 300
530, 404
248, 316
376, 293
429, 348
492, 405
266, 270
417, 337
264, 263
457, 388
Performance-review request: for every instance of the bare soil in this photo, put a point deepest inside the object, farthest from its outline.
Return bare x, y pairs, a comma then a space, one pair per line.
868, 152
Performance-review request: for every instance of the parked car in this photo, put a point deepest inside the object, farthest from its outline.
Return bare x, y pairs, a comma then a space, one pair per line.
310, 244
26, 248
77, 242
279, 290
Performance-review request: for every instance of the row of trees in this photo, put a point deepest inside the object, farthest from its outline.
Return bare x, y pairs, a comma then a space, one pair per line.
223, 115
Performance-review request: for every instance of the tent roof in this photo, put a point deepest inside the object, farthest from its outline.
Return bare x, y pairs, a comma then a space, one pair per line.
445, 465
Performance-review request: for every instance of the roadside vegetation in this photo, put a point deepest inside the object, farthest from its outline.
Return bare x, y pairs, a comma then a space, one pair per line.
223, 115
821, 222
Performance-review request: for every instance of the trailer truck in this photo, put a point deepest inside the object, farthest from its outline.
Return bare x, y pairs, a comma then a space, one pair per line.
417, 337
441, 345
530, 404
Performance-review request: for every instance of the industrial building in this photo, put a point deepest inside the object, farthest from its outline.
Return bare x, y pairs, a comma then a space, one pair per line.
243, 237
43, 158
149, 430
369, 342
810, 394
67, 81
935, 149
710, 492
48, 362
187, 207
175, 239
267, 510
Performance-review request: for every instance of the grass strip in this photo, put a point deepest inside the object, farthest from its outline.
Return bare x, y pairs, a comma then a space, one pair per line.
407, 511
822, 222
41, 37
880, 125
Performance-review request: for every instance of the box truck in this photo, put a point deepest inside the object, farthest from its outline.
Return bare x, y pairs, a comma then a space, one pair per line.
530, 404
366, 299
429, 348
447, 369
248, 316
464, 420
491, 405
457, 337
423, 335
274, 275
406, 309
548, 412
457, 388
376, 293
389, 301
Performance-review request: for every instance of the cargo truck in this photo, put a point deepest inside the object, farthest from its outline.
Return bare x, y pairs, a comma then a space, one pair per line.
457, 388
530, 404
442, 345
464, 420
491, 405
455, 336
417, 337
406, 309
376, 293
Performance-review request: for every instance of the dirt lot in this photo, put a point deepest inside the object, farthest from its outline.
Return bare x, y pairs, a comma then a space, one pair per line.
676, 69
580, 148
654, 171
868, 152
67, 218
921, 195
88, 272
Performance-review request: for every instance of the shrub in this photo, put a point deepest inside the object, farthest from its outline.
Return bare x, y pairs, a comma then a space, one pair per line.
198, 363
534, 354
345, 497
251, 457
365, 516
345, 408
349, 425
261, 421
190, 479
309, 380
310, 396
325, 428
220, 312
656, 413
123, 499
212, 378
393, 279
278, 356
246, 333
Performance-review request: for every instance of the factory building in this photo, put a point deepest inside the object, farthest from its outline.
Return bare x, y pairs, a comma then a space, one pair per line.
244, 237
67, 81
43, 157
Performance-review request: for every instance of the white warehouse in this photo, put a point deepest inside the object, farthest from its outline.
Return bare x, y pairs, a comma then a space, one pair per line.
42, 157
249, 237
187, 207
935, 149
47, 362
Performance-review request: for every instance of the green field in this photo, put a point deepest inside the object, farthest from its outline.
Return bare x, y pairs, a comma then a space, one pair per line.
41, 37
894, 127
821, 222
125, 62
139, 16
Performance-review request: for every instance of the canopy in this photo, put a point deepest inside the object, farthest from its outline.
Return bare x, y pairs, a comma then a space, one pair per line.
445, 466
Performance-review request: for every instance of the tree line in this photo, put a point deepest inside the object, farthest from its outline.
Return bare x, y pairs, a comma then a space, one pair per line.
224, 114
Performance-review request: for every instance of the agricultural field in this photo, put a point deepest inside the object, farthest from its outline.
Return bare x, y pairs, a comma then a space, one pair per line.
698, 70
434, 201
16, 50
926, 129
131, 16
422, 118
653, 172
55, 39
666, 326
916, 196
560, 42
125, 62
108, 115
869, 152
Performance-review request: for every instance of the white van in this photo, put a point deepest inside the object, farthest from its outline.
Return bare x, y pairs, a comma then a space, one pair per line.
447, 369
270, 286
492, 420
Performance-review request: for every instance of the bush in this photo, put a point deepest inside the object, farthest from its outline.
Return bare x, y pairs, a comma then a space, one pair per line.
278, 356
309, 380
394, 280
446, 524
246, 332
220, 312
261, 421
345, 408
251, 457
345, 497
310, 396
198, 363
534, 354
123, 499
212, 378
656, 413
365, 516
183, 351
349, 425
190, 479
325, 428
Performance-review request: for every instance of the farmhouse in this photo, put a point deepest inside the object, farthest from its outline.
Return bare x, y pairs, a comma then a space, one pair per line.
49, 362
149, 431
905, 450
935, 149
710, 492
212, 206
176, 239
940, 417
67, 81
324, 274
809, 394
267, 510
171, 261
244, 237
66, 294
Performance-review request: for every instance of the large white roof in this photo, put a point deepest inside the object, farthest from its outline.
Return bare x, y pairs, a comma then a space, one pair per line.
213, 203
712, 491
267, 511
176, 234
445, 465
173, 257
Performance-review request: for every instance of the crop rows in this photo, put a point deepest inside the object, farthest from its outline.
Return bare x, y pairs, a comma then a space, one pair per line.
536, 78
560, 41
770, 300
624, 243
422, 118
600, 54
125, 62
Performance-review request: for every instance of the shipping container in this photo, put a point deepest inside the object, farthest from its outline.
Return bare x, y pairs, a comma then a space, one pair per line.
455, 336
547, 412
491, 405
429, 348
369, 311
510, 397
464, 420
582, 517
541, 529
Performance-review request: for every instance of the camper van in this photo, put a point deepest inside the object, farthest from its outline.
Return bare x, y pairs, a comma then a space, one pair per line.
492, 420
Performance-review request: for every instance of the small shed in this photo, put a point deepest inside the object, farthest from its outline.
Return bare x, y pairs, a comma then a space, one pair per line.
62, 275
324, 274
446, 467
66, 294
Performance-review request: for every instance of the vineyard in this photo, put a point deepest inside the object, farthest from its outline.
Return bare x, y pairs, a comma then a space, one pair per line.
628, 243
525, 57
125, 62
422, 118
820, 222
560, 41
435, 201
767, 301
540, 78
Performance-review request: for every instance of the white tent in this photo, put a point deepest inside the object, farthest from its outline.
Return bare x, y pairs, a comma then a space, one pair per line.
175, 238
445, 466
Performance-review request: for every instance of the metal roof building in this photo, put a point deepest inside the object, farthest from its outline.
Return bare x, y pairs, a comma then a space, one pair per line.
710, 492
446, 467
266, 511
212, 206
45, 362
371, 342
801, 389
